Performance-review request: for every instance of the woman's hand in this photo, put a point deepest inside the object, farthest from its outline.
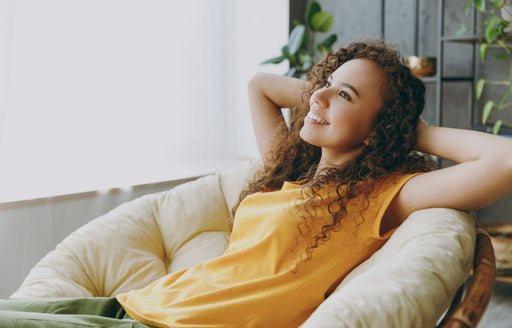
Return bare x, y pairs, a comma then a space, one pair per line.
268, 93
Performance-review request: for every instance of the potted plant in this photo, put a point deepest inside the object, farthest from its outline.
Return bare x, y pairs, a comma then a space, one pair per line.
496, 26
301, 51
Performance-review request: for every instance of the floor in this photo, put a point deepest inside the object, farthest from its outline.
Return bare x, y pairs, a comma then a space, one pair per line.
499, 310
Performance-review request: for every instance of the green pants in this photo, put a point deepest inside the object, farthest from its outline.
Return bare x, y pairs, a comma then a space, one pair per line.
65, 312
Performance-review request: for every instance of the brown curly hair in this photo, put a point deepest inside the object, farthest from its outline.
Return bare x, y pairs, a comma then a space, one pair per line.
390, 148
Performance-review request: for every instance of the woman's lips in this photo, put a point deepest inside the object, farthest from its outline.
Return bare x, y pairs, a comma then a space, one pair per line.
316, 119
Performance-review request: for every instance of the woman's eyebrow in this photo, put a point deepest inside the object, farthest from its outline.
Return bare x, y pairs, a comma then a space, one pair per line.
345, 84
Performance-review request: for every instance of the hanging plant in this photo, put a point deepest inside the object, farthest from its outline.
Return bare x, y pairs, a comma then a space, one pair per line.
497, 35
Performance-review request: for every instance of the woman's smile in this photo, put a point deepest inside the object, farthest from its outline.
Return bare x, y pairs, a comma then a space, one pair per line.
315, 119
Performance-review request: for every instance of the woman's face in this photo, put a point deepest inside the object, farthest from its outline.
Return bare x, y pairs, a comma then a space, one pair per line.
342, 113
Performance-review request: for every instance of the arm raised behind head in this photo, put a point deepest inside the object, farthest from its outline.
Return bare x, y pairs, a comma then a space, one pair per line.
268, 93
483, 173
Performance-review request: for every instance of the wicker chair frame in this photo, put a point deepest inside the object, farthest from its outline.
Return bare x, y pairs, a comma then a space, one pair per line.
467, 310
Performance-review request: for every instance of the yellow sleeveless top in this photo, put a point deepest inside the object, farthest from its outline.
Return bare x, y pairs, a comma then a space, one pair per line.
255, 283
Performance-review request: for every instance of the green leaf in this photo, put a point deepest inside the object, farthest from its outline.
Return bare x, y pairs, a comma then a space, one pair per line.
323, 50
305, 57
296, 22
287, 55
313, 9
462, 29
492, 29
487, 110
497, 3
275, 60
483, 49
296, 38
501, 56
466, 8
497, 126
505, 23
328, 41
306, 61
322, 21
505, 97
479, 4
479, 87
286, 51
306, 41
500, 26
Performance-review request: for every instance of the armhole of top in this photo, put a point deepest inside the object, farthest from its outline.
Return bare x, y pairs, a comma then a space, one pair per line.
388, 231
392, 193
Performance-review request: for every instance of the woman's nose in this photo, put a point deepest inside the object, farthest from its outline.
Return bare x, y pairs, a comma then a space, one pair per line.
321, 96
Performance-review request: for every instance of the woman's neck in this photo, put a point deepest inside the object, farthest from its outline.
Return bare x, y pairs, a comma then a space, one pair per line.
336, 159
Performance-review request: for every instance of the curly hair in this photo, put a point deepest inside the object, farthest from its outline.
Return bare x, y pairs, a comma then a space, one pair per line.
390, 146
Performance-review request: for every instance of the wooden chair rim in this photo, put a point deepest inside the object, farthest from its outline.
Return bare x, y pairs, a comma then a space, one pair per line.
466, 312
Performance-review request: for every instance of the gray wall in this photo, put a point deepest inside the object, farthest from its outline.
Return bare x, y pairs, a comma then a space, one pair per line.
355, 20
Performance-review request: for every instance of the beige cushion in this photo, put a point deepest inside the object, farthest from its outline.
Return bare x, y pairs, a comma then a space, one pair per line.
141, 240
408, 283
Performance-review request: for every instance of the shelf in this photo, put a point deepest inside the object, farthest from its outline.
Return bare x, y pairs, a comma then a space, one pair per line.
504, 279
469, 38
466, 38
429, 79
504, 131
457, 78
433, 79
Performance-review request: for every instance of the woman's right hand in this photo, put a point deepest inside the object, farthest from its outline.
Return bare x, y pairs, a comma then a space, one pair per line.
268, 93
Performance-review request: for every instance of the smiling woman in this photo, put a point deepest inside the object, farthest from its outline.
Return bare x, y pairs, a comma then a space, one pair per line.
97, 94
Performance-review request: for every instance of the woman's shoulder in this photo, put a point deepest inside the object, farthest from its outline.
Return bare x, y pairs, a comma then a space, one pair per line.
397, 177
393, 181
365, 186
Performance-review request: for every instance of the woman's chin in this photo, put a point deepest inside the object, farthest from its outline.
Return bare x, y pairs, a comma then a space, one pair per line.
304, 135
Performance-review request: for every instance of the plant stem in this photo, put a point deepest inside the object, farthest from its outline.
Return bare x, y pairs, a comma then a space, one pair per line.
311, 45
505, 105
494, 45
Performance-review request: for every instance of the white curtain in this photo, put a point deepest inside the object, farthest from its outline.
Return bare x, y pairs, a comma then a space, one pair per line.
95, 91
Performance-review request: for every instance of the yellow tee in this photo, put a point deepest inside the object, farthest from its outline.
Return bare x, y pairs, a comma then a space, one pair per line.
257, 281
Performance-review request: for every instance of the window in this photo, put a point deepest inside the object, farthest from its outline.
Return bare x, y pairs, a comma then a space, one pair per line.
105, 93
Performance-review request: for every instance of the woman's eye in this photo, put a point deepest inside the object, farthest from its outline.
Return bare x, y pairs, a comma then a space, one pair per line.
345, 95
327, 84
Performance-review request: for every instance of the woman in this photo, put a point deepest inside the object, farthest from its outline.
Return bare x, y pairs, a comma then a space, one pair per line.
333, 187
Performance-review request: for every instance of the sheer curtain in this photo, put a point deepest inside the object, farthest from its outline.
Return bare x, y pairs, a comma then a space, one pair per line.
104, 93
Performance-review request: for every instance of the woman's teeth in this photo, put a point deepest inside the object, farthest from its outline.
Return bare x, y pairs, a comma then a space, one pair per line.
317, 118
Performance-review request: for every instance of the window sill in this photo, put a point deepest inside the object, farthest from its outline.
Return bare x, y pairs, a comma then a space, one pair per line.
19, 186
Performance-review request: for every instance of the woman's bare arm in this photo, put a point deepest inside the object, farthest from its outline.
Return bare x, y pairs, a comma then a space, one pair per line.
483, 175
268, 93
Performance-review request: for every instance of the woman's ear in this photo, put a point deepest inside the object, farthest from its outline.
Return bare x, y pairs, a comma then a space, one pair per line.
366, 140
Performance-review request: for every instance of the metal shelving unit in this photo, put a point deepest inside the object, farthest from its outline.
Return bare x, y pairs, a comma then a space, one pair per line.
472, 39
